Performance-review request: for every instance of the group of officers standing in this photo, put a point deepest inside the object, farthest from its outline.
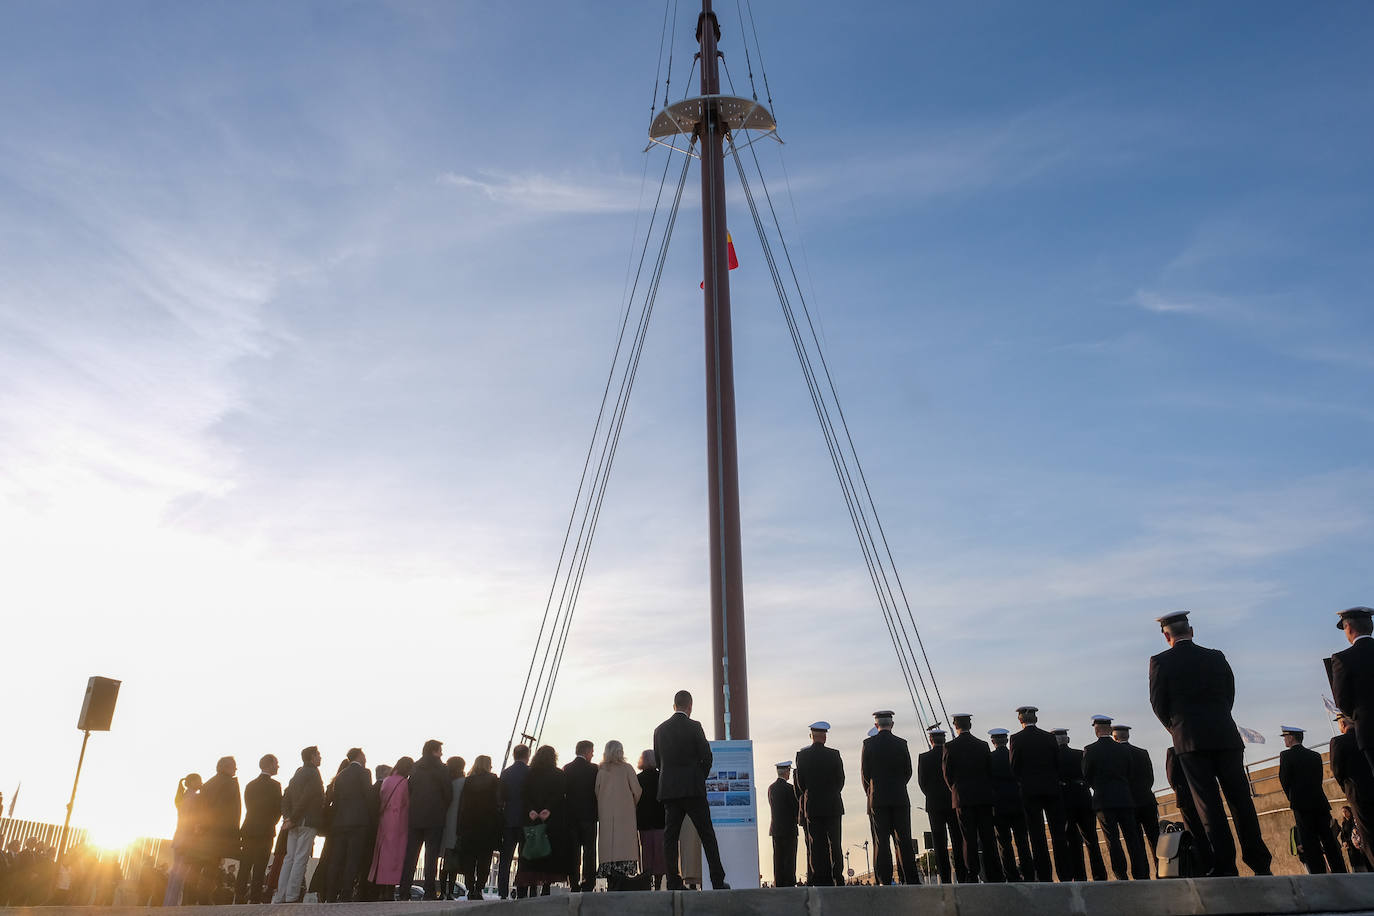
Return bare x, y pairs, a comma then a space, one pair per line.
996, 804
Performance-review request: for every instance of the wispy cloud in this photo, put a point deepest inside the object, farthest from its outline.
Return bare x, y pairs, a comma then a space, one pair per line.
540, 193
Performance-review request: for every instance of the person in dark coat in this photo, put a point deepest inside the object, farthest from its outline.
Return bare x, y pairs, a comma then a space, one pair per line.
1192, 690
1300, 775
431, 790
581, 774
1352, 773
820, 777
546, 801
1080, 823
1034, 755
302, 811
1183, 797
1142, 792
1008, 817
1352, 676
885, 769
650, 820
354, 812
183, 882
261, 812
221, 810
967, 767
782, 826
944, 824
684, 761
1107, 766
480, 825
510, 794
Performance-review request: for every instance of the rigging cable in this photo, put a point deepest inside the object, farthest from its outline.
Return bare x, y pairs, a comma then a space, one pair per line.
759, 48
747, 64
658, 67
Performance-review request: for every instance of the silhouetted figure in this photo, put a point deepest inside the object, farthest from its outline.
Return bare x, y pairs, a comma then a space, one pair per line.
354, 816
581, 773
513, 808
302, 809
261, 812
1034, 758
649, 820
480, 825
431, 789
684, 761
783, 808
393, 833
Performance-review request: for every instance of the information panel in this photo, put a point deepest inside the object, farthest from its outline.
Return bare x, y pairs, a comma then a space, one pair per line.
734, 811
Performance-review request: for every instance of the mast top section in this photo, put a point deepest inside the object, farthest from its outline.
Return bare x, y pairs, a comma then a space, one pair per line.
731, 111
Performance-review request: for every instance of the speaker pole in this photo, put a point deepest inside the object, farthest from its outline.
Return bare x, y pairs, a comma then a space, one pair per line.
62, 838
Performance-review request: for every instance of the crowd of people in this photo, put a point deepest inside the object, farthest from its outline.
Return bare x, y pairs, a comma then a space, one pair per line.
573, 823
1027, 806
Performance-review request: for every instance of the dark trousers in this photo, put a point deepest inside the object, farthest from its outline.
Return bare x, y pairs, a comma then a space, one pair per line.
345, 862
810, 860
1212, 774
975, 822
944, 833
1320, 851
475, 867
1147, 822
584, 854
510, 841
785, 859
1116, 823
893, 822
827, 854
252, 880
1010, 827
431, 838
1080, 833
1040, 811
676, 809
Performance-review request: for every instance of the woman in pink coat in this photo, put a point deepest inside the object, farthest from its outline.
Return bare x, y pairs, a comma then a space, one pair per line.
389, 855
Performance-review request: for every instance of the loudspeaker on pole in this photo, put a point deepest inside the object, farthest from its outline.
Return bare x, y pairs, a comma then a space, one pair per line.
98, 708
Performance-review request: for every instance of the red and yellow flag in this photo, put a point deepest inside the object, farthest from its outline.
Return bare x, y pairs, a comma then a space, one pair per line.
730, 256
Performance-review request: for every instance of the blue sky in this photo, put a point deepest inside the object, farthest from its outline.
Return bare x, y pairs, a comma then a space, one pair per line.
304, 309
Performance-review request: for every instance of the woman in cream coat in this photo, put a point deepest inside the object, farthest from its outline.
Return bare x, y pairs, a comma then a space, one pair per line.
617, 834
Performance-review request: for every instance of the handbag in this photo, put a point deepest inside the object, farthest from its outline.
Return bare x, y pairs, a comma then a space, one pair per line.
537, 845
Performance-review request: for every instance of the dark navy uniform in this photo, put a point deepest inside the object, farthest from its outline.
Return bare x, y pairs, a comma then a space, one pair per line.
1352, 681
1192, 690
967, 769
1352, 773
1300, 775
1107, 768
944, 824
885, 768
1142, 793
1008, 817
820, 778
783, 809
1035, 764
1183, 797
1080, 830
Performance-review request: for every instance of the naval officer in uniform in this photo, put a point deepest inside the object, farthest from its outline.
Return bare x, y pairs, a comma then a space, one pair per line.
820, 778
1107, 768
1008, 817
782, 827
967, 769
1300, 775
1035, 764
1080, 824
885, 768
1142, 791
1352, 676
944, 824
1352, 773
1192, 690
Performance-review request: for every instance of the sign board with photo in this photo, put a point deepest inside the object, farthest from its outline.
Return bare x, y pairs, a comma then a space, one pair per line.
733, 803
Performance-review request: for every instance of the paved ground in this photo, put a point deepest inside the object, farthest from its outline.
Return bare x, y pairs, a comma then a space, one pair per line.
1311, 895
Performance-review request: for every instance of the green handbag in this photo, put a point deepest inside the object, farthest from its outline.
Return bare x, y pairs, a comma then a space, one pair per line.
537, 845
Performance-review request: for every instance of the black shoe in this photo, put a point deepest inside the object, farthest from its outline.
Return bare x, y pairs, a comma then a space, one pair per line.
722, 886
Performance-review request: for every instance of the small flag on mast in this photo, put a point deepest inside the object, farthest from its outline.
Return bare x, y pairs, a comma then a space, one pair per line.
1249, 735
729, 255
1330, 707
14, 799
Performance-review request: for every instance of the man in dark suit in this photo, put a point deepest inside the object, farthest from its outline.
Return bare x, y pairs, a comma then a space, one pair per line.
1008, 817
1107, 768
510, 792
684, 761
820, 777
885, 769
944, 823
1192, 690
966, 765
1352, 676
1183, 797
431, 790
782, 827
302, 812
1352, 773
581, 796
1300, 775
353, 815
1080, 823
1142, 792
221, 811
1035, 766
261, 811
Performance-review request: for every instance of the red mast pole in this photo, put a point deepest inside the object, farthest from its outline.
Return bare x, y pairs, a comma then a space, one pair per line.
729, 673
